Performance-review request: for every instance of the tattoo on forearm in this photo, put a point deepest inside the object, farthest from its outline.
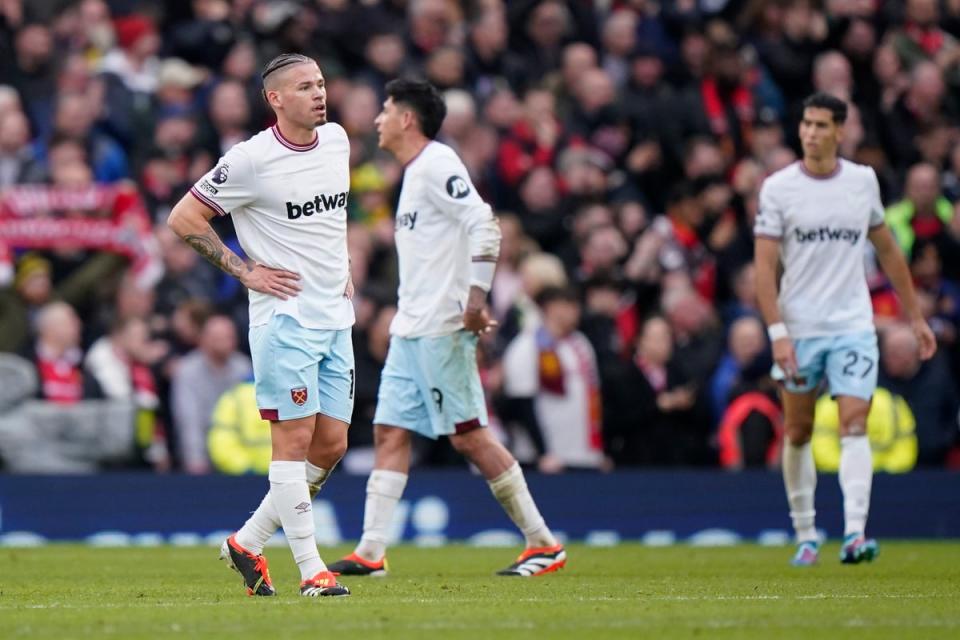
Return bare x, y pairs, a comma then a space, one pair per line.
209, 247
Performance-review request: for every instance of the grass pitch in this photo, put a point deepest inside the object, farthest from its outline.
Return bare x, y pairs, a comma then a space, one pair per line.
628, 591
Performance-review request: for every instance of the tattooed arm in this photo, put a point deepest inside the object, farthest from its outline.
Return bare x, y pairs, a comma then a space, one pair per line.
190, 219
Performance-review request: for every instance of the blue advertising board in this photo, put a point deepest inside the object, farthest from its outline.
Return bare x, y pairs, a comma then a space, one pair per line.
656, 507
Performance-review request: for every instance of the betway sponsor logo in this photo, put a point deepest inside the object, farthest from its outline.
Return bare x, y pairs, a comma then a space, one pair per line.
405, 220
319, 204
828, 234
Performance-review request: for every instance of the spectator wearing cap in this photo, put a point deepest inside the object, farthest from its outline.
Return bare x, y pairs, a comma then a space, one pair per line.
34, 287
134, 60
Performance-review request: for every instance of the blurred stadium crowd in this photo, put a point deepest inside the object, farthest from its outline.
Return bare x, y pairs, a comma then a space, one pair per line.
622, 143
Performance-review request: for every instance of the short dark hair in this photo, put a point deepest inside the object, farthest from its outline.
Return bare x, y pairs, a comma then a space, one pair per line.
423, 98
283, 60
821, 100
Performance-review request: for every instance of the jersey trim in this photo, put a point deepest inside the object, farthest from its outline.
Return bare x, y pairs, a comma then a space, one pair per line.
217, 209
832, 174
769, 236
419, 153
293, 146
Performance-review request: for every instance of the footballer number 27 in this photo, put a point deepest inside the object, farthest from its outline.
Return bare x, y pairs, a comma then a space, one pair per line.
853, 358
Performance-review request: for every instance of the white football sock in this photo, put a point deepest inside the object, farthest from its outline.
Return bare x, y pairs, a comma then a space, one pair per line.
265, 521
316, 476
800, 480
291, 498
856, 478
384, 489
510, 490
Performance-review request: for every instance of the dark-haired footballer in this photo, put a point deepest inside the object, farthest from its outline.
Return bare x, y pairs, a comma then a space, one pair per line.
815, 219
287, 190
447, 242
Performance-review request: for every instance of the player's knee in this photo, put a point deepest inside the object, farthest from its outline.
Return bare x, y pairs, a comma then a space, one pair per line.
468, 444
853, 428
337, 450
798, 433
390, 439
292, 444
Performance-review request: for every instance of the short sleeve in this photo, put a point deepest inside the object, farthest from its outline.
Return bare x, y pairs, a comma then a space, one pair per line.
230, 185
521, 378
769, 222
450, 189
876, 204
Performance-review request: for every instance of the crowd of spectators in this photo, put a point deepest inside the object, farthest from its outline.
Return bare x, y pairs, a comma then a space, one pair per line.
622, 144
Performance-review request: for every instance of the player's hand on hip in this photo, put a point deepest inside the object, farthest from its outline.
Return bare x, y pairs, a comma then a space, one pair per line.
926, 341
478, 321
785, 356
280, 283
350, 290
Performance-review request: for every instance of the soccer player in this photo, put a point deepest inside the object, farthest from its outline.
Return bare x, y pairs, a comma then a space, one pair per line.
287, 189
815, 218
448, 241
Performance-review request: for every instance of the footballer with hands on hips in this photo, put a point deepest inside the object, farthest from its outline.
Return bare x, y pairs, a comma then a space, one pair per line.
815, 218
286, 188
447, 242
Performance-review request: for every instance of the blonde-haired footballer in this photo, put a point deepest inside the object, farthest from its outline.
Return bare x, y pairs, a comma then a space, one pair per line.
286, 188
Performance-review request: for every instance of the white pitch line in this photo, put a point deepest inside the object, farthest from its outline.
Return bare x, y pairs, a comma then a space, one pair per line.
456, 600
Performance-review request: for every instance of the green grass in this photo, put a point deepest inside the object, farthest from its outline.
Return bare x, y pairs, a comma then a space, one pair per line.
629, 591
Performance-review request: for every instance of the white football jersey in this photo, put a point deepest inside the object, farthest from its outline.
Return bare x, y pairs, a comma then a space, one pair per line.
441, 224
822, 224
289, 206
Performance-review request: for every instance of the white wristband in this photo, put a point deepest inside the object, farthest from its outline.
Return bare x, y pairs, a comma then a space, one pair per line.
777, 331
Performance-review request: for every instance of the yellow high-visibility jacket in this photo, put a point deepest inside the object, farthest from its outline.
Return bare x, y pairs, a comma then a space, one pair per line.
239, 439
891, 429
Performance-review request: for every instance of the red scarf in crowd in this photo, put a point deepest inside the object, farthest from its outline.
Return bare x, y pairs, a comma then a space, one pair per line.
60, 378
552, 381
713, 105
